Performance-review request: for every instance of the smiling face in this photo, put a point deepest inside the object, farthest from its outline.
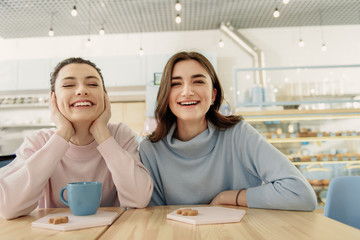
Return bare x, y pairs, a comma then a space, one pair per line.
79, 92
192, 91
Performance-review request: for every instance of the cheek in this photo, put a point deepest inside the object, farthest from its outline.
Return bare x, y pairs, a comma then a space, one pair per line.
60, 100
171, 99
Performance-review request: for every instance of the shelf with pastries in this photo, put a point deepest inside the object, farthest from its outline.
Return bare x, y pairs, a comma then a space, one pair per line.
296, 115
311, 136
344, 158
27, 125
312, 139
328, 162
24, 105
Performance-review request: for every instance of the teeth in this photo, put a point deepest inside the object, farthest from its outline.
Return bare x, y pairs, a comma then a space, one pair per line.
188, 103
82, 104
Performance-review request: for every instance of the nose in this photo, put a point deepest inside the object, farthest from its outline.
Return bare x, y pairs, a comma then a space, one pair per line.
187, 90
82, 90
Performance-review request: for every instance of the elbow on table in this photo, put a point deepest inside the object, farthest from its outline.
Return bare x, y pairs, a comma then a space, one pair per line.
306, 202
136, 204
15, 211
311, 201
140, 200
8, 213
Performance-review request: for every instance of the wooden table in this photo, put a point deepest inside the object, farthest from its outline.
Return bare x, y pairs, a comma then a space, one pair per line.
151, 223
20, 228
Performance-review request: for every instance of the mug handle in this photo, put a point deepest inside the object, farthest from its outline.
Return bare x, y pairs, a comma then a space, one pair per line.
62, 196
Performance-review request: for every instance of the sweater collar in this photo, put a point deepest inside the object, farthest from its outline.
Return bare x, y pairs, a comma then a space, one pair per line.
82, 153
199, 146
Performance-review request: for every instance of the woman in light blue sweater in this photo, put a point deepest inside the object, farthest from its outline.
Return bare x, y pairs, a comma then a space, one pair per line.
198, 156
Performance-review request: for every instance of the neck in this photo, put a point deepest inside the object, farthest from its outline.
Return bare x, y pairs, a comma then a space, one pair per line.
82, 135
187, 130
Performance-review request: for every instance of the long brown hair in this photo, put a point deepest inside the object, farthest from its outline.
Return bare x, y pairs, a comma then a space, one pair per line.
164, 116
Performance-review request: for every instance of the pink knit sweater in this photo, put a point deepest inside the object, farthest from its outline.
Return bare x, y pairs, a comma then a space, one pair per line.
45, 163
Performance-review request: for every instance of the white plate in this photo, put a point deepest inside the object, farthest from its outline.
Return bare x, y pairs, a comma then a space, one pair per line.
77, 222
210, 215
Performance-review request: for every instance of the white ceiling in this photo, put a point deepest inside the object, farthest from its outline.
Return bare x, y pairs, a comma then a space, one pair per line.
33, 18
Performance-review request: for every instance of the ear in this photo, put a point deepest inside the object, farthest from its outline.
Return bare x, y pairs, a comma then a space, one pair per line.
214, 95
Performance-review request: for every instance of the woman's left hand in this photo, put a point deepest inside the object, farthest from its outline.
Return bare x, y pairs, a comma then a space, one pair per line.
99, 128
229, 198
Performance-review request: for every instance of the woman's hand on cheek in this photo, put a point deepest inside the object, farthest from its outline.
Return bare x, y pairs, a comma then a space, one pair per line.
99, 128
64, 127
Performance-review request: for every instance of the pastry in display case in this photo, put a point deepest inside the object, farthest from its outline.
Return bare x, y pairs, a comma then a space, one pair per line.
321, 144
351, 169
319, 178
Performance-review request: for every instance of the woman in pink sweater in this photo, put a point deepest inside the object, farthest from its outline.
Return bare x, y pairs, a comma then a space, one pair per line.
84, 146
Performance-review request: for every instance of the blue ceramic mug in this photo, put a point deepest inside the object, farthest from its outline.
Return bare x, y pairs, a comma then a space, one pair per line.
83, 197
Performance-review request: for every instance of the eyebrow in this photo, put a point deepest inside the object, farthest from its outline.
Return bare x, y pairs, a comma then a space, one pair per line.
87, 77
193, 76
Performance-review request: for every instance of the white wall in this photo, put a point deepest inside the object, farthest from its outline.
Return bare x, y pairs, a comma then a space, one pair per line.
279, 45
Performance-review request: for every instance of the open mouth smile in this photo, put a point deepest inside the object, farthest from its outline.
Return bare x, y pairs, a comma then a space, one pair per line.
189, 103
82, 104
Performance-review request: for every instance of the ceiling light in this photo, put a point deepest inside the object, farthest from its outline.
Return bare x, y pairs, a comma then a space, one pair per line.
102, 31
323, 47
51, 32
178, 6
221, 43
88, 43
286, 1
276, 13
178, 19
74, 11
141, 52
301, 43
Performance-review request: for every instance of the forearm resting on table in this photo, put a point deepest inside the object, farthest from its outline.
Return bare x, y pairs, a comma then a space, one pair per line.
229, 198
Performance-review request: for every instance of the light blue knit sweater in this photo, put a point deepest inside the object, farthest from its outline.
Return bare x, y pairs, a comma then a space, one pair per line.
194, 172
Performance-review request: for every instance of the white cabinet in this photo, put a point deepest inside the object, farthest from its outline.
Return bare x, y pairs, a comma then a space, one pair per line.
34, 74
8, 75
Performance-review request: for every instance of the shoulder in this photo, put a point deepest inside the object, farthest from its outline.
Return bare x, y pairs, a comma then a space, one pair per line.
151, 149
37, 139
146, 145
241, 127
242, 132
40, 135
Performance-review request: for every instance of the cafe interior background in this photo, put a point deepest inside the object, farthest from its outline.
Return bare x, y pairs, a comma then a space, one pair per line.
290, 67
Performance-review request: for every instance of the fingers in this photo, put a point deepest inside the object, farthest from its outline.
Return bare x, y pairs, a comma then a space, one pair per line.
107, 105
107, 101
50, 99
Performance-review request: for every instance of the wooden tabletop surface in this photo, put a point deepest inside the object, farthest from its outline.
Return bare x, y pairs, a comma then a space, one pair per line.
20, 228
151, 223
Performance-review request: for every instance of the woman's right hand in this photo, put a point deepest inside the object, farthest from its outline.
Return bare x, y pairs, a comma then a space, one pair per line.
64, 127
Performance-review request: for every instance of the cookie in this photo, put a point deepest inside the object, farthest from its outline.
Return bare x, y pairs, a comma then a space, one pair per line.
59, 220
187, 212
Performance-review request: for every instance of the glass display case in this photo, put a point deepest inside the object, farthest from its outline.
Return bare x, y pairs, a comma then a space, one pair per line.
298, 87
322, 144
